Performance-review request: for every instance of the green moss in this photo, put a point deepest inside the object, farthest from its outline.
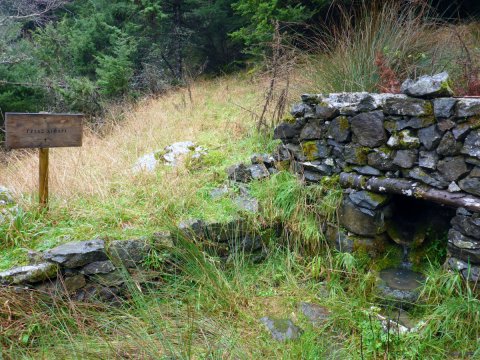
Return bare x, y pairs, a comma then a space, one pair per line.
310, 150
343, 123
428, 109
289, 119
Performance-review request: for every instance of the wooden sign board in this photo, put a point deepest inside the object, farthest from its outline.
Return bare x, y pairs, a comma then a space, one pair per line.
43, 130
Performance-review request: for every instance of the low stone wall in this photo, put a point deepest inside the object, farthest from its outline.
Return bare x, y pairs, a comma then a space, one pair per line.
424, 145
96, 270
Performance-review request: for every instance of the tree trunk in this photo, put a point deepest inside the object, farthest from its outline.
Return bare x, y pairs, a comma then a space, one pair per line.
410, 188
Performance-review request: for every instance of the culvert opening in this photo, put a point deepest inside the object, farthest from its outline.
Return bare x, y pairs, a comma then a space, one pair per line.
417, 225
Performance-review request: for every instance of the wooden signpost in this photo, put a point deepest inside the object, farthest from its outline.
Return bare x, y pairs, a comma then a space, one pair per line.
43, 131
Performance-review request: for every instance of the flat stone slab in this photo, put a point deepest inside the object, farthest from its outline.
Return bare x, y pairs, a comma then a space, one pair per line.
76, 254
28, 274
282, 329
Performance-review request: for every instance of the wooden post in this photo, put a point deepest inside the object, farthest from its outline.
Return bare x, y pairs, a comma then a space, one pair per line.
43, 177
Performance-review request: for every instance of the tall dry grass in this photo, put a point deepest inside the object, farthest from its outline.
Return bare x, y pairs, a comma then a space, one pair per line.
216, 117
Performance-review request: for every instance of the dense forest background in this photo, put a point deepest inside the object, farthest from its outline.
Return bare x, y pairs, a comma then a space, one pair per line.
66, 55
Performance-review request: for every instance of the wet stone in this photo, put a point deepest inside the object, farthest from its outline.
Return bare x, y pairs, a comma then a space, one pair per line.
313, 130
382, 159
453, 187
76, 254
359, 221
317, 314
467, 107
368, 128
326, 112
452, 168
470, 185
403, 140
428, 86
313, 150
288, 131
399, 286
429, 179
462, 241
468, 225
367, 170
265, 159
461, 131
444, 107
430, 137
282, 329
408, 107
129, 253
74, 283
445, 125
428, 160
356, 155
298, 110
471, 146
405, 158
475, 172
98, 267
258, 171
29, 274
339, 129
448, 146
368, 200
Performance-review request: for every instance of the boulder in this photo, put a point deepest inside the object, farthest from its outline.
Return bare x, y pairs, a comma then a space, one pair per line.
74, 283
77, 254
368, 128
452, 168
29, 274
428, 86
298, 110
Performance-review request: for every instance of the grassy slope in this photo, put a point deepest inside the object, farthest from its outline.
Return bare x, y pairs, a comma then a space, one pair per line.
95, 194
206, 310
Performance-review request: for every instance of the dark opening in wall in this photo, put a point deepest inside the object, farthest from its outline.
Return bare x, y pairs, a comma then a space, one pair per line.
417, 224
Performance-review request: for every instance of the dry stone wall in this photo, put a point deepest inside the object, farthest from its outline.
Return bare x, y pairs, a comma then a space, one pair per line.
424, 145
97, 270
